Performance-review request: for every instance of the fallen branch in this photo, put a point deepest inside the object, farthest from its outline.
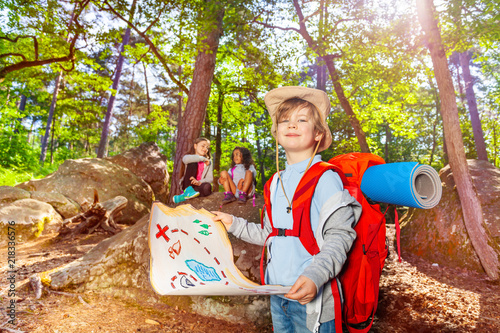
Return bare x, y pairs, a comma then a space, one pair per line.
98, 215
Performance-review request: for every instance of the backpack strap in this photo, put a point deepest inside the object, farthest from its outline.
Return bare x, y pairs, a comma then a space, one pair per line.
301, 206
337, 305
301, 209
266, 208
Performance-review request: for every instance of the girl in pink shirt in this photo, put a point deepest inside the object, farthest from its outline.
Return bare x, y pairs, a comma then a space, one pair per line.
196, 172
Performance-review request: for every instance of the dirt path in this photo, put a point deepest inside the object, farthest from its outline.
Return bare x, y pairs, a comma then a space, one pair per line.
416, 296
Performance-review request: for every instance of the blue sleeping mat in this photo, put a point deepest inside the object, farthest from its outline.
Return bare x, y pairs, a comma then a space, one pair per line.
404, 183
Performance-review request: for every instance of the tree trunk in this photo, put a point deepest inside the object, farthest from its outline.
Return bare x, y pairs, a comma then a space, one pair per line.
101, 152
192, 121
218, 141
320, 77
321, 69
459, 83
30, 132
22, 104
22, 107
495, 153
45, 139
147, 87
471, 102
179, 103
484, 245
52, 142
328, 58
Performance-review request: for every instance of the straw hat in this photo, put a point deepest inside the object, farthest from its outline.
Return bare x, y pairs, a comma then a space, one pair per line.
318, 98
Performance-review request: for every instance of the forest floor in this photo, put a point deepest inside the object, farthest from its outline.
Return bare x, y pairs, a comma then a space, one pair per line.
416, 296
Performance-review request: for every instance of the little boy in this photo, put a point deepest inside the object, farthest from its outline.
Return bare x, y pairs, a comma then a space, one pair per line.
299, 126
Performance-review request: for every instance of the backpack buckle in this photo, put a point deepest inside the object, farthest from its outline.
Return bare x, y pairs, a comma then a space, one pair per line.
281, 232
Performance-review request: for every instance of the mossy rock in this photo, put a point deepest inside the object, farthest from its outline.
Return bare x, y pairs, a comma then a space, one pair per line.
27, 219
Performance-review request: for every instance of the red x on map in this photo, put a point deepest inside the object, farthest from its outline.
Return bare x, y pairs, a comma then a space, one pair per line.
161, 232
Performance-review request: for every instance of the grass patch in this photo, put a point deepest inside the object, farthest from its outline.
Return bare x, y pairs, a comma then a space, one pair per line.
13, 176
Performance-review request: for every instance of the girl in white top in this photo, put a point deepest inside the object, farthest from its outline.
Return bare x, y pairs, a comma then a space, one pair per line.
197, 172
239, 181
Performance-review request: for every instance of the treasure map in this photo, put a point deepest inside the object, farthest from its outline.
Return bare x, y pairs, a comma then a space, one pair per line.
192, 255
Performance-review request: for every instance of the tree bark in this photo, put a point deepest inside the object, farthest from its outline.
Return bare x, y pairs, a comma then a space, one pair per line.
191, 123
484, 245
472, 104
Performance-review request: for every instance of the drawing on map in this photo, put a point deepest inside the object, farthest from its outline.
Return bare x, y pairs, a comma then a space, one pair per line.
192, 255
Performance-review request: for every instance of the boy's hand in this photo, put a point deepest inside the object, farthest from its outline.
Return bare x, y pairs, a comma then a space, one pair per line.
226, 219
303, 290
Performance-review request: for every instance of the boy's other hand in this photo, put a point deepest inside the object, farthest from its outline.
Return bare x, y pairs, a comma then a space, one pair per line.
303, 290
226, 219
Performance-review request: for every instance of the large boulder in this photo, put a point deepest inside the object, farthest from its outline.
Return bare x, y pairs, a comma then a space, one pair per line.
63, 205
120, 265
147, 163
77, 180
26, 219
9, 194
439, 234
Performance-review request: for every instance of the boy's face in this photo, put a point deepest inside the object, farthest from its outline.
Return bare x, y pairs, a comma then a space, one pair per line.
237, 157
296, 132
201, 148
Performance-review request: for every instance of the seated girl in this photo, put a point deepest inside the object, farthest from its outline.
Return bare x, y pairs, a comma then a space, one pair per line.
239, 182
196, 172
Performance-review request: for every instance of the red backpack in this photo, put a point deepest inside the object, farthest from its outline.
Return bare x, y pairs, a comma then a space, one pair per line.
360, 274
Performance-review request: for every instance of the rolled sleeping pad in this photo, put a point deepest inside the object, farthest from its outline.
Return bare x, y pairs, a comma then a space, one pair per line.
404, 183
